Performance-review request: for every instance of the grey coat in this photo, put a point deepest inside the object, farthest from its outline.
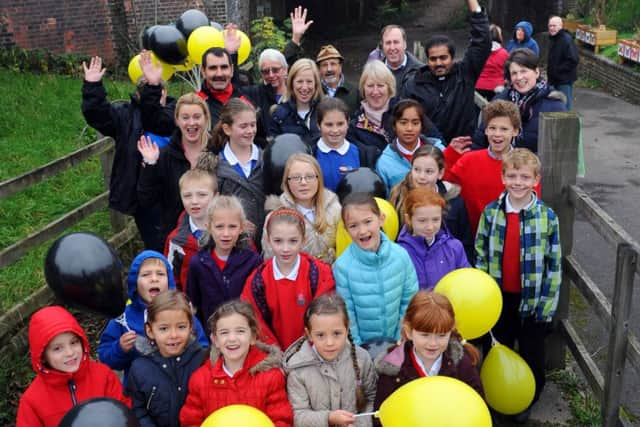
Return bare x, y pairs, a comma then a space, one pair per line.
317, 387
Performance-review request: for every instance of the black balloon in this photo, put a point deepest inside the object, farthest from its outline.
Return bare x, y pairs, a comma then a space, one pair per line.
85, 271
217, 26
145, 38
190, 20
275, 158
99, 412
361, 180
168, 44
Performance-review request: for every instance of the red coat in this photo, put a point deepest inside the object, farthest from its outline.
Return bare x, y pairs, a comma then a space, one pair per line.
287, 300
260, 383
492, 74
181, 237
49, 397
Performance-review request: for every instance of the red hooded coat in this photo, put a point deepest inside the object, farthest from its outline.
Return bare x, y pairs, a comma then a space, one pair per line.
53, 393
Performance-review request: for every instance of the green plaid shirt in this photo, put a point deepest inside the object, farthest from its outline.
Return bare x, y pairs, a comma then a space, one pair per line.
540, 255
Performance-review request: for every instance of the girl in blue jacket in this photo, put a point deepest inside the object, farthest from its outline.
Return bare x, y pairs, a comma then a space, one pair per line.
375, 276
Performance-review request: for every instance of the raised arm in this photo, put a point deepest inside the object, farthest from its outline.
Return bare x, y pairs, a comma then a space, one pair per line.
299, 25
480, 43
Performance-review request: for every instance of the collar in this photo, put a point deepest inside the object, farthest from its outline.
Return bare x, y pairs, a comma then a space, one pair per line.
404, 63
233, 160
309, 214
332, 91
293, 274
510, 209
404, 150
192, 226
493, 155
342, 150
435, 368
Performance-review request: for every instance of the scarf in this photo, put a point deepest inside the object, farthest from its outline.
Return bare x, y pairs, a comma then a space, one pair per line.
525, 101
374, 116
221, 95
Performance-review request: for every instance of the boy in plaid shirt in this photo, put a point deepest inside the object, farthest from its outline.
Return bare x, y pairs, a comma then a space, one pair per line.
518, 244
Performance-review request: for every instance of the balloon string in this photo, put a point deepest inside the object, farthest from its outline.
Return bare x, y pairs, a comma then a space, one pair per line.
494, 341
367, 414
187, 80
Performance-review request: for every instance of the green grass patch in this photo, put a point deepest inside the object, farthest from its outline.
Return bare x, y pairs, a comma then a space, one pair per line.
584, 406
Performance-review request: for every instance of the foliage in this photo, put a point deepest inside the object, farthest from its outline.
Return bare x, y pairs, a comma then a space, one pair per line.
41, 61
389, 12
266, 33
623, 15
584, 406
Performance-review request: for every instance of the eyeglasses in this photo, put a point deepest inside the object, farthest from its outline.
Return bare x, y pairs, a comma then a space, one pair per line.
298, 178
271, 70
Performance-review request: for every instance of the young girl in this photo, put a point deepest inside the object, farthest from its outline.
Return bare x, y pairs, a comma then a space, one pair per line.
335, 154
282, 287
374, 275
65, 373
432, 249
241, 370
158, 381
408, 120
427, 169
239, 167
329, 379
432, 347
303, 190
218, 272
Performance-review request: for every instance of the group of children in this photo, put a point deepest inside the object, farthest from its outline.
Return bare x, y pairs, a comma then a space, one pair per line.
352, 328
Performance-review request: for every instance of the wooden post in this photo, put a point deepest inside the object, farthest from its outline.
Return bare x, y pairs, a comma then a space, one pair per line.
118, 220
626, 261
558, 137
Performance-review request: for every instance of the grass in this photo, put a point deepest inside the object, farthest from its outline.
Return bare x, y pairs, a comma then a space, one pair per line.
584, 406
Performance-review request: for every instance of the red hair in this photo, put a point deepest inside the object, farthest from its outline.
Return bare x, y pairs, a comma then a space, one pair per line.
419, 197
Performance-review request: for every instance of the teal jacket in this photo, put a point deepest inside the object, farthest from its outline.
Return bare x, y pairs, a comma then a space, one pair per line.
540, 255
377, 288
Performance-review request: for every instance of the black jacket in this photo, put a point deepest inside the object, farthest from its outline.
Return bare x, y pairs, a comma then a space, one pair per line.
449, 101
158, 386
563, 59
265, 101
402, 74
285, 119
123, 122
159, 183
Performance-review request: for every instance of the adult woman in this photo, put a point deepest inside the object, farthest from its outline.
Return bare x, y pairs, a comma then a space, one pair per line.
491, 80
370, 124
522, 38
162, 168
297, 111
303, 190
530, 93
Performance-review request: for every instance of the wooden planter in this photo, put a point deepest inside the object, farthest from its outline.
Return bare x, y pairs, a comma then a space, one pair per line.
629, 50
571, 25
596, 37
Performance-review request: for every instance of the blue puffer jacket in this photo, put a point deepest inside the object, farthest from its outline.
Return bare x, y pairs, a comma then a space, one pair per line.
528, 42
377, 288
109, 350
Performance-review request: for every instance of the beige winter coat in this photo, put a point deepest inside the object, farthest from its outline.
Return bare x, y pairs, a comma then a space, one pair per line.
319, 245
317, 387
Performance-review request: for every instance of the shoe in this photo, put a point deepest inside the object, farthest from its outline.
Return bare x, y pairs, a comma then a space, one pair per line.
522, 417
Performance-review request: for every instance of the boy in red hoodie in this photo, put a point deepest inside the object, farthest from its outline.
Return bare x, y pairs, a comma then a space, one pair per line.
65, 374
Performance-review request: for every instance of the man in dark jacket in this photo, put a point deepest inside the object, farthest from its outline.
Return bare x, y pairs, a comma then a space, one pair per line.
446, 88
562, 60
401, 63
122, 121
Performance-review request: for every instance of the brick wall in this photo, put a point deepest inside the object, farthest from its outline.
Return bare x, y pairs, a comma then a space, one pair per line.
617, 79
109, 28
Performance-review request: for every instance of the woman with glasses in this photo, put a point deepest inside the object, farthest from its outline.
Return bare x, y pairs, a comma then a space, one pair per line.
303, 190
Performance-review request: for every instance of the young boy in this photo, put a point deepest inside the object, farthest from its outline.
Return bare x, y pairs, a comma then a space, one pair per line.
65, 374
197, 188
149, 274
479, 172
518, 244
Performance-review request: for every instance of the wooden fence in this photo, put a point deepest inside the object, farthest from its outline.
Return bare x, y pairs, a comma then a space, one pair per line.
13, 329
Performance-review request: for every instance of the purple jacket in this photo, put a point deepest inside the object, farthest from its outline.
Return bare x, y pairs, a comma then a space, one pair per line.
208, 287
433, 262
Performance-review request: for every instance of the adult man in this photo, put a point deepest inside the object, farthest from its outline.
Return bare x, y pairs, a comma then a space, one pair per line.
446, 88
393, 40
329, 61
562, 60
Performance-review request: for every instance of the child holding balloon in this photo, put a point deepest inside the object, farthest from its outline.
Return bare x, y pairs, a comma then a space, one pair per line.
432, 347
158, 379
374, 275
432, 249
241, 371
330, 379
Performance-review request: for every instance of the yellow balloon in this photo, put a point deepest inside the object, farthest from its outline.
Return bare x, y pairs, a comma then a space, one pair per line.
476, 300
202, 39
245, 46
434, 402
186, 66
237, 416
135, 71
390, 226
509, 385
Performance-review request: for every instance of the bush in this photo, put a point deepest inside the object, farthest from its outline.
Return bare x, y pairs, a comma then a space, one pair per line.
41, 61
265, 33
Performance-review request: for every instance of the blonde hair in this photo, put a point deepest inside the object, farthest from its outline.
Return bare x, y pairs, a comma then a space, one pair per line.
304, 64
320, 224
521, 157
198, 175
220, 202
193, 99
376, 70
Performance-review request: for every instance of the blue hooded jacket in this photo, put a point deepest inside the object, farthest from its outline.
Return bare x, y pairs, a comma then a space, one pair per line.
528, 42
109, 350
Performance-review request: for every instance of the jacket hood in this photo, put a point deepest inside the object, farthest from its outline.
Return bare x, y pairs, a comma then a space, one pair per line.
391, 362
526, 27
44, 325
262, 357
132, 276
